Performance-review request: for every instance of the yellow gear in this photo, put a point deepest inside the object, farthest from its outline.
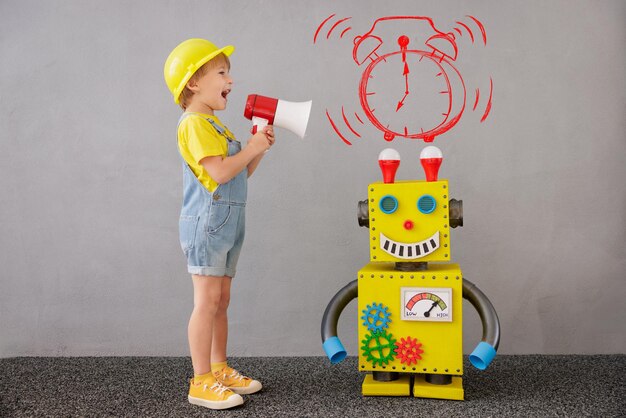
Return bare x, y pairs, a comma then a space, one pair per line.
185, 60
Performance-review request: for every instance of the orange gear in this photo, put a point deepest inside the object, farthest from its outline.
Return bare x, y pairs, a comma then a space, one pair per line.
409, 350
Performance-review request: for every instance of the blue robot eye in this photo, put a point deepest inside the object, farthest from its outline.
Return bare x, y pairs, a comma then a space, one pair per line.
426, 204
388, 204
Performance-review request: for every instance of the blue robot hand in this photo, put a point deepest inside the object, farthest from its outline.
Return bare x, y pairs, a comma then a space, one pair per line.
482, 355
334, 350
485, 351
332, 346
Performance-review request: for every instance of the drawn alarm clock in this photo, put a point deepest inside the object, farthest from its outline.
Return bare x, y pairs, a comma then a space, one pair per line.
413, 90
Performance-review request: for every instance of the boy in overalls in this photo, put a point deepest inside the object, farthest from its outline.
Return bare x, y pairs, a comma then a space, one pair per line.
212, 219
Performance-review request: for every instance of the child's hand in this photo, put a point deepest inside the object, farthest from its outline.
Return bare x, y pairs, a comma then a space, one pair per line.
262, 140
269, 131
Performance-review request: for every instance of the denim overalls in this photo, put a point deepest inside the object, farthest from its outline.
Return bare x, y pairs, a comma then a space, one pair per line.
212, 225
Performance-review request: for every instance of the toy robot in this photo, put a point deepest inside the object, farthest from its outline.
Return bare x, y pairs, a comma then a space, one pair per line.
409, 302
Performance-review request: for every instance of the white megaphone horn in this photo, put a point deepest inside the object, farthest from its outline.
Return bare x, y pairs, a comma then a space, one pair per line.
262, 110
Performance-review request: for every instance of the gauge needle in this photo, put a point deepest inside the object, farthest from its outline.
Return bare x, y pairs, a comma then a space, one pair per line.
427, 313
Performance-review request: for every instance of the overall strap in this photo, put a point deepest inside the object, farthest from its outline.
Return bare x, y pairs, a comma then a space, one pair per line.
220, 130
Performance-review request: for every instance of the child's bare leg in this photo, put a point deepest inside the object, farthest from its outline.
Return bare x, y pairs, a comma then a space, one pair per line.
207, 292
230, 378
220, 327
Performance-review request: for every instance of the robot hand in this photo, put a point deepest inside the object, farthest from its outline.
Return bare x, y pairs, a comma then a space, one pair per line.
331, 343
485, 351
334, 350
482, 355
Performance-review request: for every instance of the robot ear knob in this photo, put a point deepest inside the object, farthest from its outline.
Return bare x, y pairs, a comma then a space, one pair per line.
363, 213
456, 213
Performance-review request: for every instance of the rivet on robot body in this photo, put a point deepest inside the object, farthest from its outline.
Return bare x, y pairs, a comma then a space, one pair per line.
409, 302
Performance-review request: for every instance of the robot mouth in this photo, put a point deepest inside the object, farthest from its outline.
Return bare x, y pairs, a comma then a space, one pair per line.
410, 251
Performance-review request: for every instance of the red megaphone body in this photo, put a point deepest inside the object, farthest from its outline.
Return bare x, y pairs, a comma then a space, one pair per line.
263, 110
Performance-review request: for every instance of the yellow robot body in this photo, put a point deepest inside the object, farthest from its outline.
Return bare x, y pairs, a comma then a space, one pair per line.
394, 332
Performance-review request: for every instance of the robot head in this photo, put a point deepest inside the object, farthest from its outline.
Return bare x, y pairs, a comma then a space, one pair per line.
410, 220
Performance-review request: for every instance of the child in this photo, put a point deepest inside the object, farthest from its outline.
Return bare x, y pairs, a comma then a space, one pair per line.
212, 220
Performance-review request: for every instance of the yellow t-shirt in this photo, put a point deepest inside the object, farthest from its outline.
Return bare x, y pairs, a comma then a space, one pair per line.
198, 139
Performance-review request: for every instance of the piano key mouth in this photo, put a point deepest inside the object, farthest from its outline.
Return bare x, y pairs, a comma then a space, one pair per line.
410, 251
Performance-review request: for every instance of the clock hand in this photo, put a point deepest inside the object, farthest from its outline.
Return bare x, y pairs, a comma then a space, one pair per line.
406, 86
403, 41
406, 77
401, 102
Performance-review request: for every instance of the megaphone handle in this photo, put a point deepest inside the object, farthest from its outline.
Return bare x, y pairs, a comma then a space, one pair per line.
258, 124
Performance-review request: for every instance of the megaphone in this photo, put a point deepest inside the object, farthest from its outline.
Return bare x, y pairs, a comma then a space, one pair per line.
263, 111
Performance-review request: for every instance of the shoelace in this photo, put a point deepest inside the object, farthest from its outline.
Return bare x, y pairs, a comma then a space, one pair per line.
234, 374
216, 387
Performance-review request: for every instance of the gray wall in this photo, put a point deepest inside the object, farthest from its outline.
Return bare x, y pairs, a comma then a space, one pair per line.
90, 178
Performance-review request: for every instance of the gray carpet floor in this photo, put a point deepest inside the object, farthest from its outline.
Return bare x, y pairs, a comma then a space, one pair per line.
524, 386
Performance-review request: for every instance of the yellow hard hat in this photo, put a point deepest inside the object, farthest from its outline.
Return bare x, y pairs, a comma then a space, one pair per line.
185, 60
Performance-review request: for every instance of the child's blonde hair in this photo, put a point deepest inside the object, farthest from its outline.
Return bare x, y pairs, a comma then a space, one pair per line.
186, 94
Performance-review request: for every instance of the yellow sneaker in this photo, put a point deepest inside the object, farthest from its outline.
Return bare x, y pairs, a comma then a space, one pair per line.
237, 382
212, 394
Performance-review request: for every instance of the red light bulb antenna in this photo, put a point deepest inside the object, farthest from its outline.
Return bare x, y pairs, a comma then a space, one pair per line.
431, 158
389, 161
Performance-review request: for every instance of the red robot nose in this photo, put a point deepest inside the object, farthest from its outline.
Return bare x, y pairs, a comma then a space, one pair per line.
408, 224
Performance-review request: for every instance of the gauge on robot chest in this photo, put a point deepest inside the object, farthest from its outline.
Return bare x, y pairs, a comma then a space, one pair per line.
426, 304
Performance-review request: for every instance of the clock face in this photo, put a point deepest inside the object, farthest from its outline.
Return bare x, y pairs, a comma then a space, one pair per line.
408, 94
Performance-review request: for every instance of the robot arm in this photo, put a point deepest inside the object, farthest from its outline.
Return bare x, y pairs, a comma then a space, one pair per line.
331, 343
485, 351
